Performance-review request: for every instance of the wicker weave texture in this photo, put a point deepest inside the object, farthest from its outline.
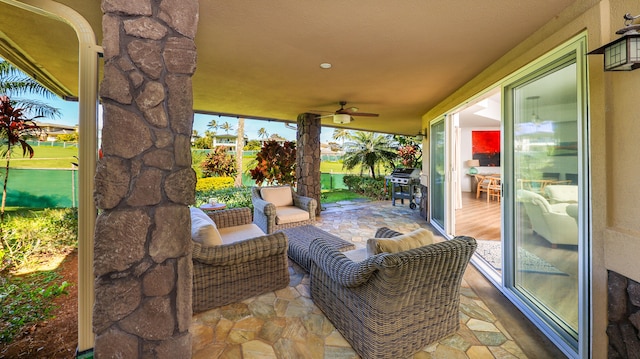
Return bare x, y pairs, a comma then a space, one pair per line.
391, 305
264, 213
233, 272
300, 239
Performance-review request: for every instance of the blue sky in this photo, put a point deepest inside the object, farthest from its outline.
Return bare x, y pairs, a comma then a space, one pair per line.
69, 116
69, 110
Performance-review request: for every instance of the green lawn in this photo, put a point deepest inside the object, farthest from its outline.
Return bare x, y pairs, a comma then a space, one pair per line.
44, 157
58, 157
339, 195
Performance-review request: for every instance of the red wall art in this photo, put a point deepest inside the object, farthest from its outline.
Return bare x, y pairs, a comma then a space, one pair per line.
485, 147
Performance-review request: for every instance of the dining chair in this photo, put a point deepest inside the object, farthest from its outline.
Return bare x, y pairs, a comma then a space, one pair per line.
494, 189
483, 184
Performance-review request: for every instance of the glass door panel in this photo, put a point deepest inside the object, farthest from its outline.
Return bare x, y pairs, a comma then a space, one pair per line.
546, 114
437, 149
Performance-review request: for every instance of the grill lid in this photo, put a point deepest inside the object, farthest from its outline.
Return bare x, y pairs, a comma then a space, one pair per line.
406, 173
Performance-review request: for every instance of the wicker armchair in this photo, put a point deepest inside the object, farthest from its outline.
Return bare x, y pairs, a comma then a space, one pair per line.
391, 305
268, 216
229, 273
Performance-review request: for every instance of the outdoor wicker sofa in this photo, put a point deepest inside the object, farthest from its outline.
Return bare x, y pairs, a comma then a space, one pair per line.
391, 305
231, 272
285, 209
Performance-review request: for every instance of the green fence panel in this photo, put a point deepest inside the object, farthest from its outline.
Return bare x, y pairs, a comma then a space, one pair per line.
40, 188
332, 181
58, 188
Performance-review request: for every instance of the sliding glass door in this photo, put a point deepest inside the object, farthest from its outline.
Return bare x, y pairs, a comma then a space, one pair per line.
437, 148
545, 145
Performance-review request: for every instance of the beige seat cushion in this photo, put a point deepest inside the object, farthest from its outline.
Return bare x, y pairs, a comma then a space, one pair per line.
204, 229
279, 196
415, 239
290, 214
240, 233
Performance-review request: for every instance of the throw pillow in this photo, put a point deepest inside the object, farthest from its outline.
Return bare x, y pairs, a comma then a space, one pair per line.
415, 239
204, 229
279, 196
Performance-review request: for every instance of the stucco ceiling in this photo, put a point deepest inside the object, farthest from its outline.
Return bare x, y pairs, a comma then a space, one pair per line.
261, 59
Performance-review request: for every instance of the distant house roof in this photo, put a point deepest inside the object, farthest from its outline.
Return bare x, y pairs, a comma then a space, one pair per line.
54, 129
56, 126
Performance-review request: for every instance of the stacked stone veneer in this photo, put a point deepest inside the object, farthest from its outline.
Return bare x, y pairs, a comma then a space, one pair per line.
624, 317
144, 183
308, 157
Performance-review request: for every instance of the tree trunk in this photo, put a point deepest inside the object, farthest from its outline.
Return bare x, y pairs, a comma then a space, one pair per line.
239, 152
373, 172
4, 189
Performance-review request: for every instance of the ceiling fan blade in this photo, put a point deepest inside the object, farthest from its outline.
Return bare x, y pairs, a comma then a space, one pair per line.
364, 114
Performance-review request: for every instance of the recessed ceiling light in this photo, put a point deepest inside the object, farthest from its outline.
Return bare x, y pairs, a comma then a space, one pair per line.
325, 65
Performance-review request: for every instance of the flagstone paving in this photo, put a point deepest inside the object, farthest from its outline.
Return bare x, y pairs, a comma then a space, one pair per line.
286, 323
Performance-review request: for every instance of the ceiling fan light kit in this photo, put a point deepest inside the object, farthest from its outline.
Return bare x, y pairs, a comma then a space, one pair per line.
341, 118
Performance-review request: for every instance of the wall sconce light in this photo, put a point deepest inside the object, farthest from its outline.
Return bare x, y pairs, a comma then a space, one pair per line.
420, 136
622, 54
472, 164
341, 118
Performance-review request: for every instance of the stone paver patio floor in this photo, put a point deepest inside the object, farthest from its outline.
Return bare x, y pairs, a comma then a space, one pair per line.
286, 323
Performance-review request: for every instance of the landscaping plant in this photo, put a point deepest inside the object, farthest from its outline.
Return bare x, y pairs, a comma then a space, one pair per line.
218, 163
31, 235
275, 164
14, 130
27, 301
368, 149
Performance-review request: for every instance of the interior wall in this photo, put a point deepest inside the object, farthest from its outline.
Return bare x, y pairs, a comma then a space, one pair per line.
465, 154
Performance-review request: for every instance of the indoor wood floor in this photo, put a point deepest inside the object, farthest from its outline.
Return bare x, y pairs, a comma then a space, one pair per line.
477, 218
556, 293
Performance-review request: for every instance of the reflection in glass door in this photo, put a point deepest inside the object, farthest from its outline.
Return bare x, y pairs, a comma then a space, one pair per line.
437, 149
546, 136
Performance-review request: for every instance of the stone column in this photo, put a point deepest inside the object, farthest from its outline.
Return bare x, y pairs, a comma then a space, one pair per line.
308, 157
144, 183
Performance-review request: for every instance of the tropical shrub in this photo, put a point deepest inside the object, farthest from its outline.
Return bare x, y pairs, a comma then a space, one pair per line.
275, 164
233, 197
408, 155
219, 163
253, 145
29, 235
67, 137
203, 143
369, 187
213, 183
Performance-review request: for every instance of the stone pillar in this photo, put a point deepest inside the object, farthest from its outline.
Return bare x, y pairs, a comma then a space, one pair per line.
144, 183
308, 157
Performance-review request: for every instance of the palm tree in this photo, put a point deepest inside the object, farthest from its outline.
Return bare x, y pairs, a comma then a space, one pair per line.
368, 149
341, 134
239, 150
262, 133
226, 127
15, 83
213, 125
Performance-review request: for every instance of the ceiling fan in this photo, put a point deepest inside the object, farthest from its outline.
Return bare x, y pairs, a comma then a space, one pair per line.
343, 115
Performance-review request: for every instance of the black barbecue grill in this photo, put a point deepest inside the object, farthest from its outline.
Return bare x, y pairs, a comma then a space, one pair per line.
404, 182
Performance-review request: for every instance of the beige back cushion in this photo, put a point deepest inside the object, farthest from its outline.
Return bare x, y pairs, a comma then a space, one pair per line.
204, 229
279, 196
415, 239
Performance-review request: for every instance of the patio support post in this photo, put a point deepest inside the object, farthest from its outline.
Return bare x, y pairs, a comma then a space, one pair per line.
308, 157
145, 183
